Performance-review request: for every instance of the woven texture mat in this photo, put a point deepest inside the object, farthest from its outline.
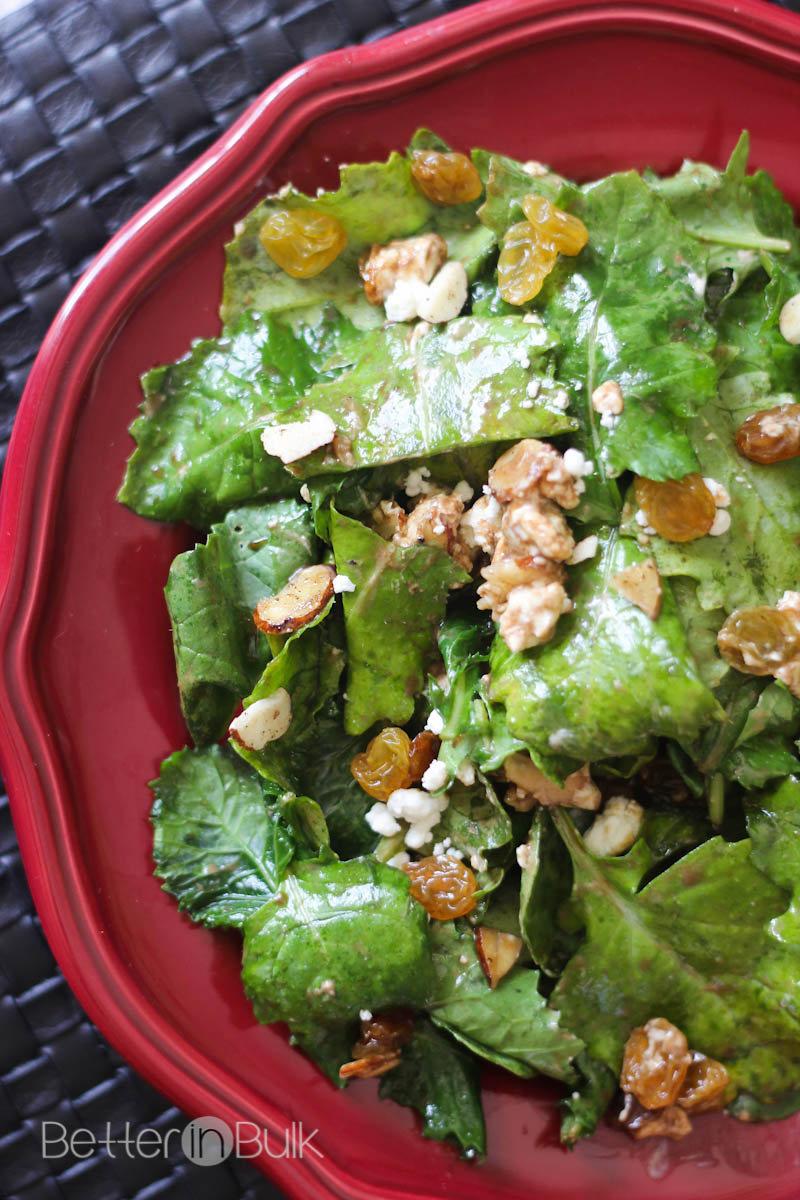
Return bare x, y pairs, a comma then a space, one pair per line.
102, 102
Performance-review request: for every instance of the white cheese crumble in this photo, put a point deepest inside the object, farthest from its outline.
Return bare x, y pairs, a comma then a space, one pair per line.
420, 810
576, 463
402, 303
298, 439
721, 524
365, 1014
789, 320
343, 583
381, 821
525, 855
445, 295
466, 773
399, 860
435, 722
718, 491
478, 862
417, 484
641, 520
436, 776
463, 491
609, 420
560, 399
533, 388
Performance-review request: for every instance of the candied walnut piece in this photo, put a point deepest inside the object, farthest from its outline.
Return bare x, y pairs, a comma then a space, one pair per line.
298, 602
655, 1063
679, 510
579, 790
531, 614
641, 584
444, 886
503, 575
384, 1033
423, 750
388, 519
445, 177
406, 260
607, 398
497, 952
671, 1122
383, 767
302, 241
480, 525
536, 526
771, 435
435, 521
532, 467
518, 799
705, 1086
759, 640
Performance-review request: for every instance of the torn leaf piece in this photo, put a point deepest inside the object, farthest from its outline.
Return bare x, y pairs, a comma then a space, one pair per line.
641, 584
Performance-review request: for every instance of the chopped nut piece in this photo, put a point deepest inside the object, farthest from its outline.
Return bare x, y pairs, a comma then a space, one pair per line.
480, 525
404, 259
497, 952
671, 1122
518, 799
298, 439
536, 526
789, 674
789, 320
533, 467
531, 614
435, 521
298, 601
641, 584
502, 575
263, 721
579, 790
373, 1065
585, 549
446, 294
616, 828
721, 523
607, 398
655, 1063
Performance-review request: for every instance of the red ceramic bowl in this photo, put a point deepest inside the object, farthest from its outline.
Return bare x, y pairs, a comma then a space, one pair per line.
90, 706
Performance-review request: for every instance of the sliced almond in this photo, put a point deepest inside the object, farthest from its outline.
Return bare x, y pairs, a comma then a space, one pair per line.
263, 721
497, 952
298, 601
369, 1067
298, 439
641, 584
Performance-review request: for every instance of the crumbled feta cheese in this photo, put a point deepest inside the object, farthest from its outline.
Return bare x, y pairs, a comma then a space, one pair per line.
435, 722
789, 320
305, 494
587, 548
533, 388
560, 398
381, 821
718, 491
466, 773
534, 168
435, 777
413, 805
576, 463
438, 528
609, 420
263, 721
446, 294
417, 836
398, 860
722, 523
478, 862
559, 739
365, 1014
640, 517
417, 484
298, 439
463, 491
402, 303
343, 583
616, 828
239, 228
525, 855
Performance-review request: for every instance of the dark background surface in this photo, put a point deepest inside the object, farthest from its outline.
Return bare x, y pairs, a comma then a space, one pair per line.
103, 102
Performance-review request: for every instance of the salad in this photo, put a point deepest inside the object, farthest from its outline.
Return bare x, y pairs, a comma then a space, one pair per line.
489, 650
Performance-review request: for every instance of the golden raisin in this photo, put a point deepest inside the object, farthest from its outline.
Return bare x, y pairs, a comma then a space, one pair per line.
566, 232
424, 748
679, 510
302, 241
384, 766
384, 1033
771, 435
655, 1063
757, 641
524, 263
705, 1085
445, 178
444, 886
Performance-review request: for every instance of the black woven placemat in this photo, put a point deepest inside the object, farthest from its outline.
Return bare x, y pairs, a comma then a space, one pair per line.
102, 102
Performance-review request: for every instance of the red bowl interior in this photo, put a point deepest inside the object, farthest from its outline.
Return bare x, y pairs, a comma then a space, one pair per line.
90, 704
